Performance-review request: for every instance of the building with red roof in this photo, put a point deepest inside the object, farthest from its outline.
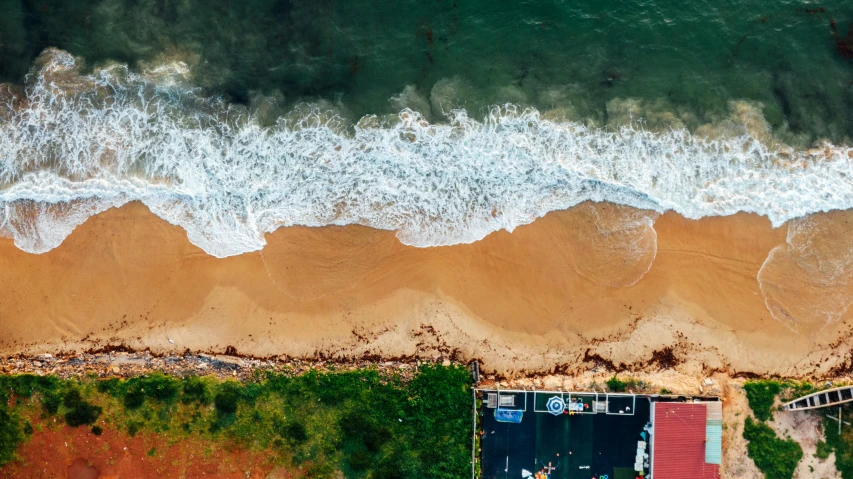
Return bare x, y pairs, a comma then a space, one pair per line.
578, 435
686, 440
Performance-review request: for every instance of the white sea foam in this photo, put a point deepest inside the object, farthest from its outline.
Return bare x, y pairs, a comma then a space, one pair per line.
84, 143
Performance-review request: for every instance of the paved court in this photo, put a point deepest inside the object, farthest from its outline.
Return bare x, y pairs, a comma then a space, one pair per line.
589, 443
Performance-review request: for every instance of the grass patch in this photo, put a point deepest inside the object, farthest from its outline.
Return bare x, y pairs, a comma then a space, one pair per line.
761, 395
823, 450
11, 434
776, 458
841, 444
363, 423
799, 389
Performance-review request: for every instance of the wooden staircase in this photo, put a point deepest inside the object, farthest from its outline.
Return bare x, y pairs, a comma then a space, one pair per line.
829, 397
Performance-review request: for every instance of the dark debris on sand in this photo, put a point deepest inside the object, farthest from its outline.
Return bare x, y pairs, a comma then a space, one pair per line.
128, 363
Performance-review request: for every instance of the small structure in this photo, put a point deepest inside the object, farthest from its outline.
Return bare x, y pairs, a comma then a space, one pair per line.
578, 435
686, 440
826, 398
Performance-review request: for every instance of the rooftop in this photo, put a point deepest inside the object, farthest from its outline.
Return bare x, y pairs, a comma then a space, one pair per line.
680, 441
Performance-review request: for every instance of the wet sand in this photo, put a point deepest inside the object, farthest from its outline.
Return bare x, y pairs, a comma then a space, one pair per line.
568, 291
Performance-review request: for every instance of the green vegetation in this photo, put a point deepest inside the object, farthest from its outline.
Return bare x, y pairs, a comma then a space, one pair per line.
798, 389
841, 444
11, 434
79, 411
823, 450
776, 458
772, 452
761, 395
362, 423
617, 385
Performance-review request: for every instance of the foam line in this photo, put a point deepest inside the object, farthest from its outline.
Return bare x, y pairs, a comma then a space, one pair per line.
99, 140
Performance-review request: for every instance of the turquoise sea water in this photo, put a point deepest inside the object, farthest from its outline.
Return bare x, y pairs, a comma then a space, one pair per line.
690, 58
441, 120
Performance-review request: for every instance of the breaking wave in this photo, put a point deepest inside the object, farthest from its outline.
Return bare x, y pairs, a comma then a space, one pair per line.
74, 144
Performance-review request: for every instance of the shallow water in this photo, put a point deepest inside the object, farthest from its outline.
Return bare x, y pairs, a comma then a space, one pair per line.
688, 57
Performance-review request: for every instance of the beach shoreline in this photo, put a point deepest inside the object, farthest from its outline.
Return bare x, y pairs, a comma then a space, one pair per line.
520, 303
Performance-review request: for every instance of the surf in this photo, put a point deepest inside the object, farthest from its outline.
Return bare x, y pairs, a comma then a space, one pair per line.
73, 144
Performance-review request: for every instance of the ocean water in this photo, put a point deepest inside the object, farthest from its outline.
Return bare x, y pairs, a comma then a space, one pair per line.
689, 59
74, 144
441, 120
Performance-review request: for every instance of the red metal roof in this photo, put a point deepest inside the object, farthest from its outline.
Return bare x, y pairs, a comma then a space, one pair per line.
679, 442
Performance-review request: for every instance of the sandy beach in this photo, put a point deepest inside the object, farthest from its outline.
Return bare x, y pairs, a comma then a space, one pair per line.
561, 293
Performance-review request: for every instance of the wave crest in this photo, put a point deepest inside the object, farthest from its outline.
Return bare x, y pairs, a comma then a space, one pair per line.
86, 142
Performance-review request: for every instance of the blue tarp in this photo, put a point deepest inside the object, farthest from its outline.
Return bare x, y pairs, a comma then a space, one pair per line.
508, 415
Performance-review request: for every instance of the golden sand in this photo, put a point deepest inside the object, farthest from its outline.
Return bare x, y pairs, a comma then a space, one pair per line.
570, 286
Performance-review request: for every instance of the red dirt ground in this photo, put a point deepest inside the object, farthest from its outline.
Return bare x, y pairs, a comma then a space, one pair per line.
76, 453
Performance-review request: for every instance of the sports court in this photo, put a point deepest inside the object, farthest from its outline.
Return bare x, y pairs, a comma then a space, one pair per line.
568, 435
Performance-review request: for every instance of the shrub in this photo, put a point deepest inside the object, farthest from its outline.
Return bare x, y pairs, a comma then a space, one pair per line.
761, 395
842, 444
160, 387
227, 398
80, 412
134, 397
360, 461
295, 431
823, 450
83, 414
194, 391
11, 434
799, 389
97, 430
24, 385
72, 398
50, 402
157, 387
111, 386
46, 388
355, 425
776, 458
616, 385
